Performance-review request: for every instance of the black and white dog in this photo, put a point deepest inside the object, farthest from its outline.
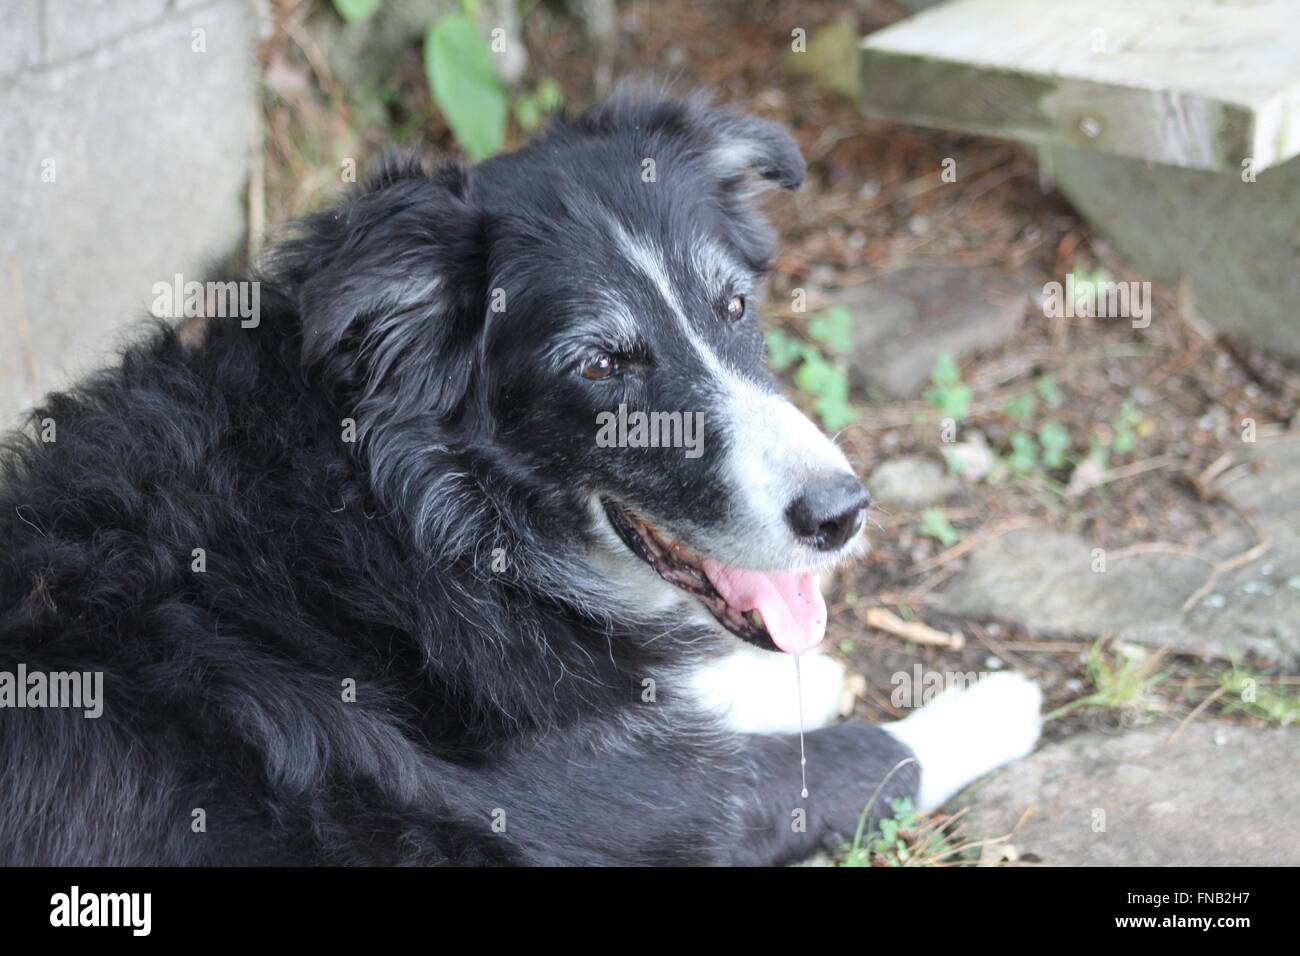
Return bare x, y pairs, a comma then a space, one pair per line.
402, 574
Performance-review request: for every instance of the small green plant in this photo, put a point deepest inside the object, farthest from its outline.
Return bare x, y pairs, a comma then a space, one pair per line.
1024, 453
1049, 391
833, 329
1123, 682
531, 108
1126, 428
783, 349
1244, 694
1055, 441
1021, 408
934, 525
816, 375
901, 839
828, 385
947, 391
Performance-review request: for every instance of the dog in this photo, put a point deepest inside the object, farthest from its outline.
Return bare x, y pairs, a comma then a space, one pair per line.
396, 575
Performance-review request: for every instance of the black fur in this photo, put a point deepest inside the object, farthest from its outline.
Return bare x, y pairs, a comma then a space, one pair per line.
479, 690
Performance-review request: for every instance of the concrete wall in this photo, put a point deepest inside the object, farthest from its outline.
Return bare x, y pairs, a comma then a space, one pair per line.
126, 139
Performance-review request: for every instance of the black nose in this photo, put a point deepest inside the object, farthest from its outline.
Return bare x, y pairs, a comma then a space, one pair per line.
829, 511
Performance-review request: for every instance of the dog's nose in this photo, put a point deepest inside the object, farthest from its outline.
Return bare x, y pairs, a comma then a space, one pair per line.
829, 511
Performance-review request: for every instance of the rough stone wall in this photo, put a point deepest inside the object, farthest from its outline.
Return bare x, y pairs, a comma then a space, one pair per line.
127, 133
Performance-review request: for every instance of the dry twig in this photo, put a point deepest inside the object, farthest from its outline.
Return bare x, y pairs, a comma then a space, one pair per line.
916, 631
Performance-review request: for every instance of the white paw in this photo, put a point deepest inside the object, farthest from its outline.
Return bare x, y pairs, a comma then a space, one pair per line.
963, 734
757, 691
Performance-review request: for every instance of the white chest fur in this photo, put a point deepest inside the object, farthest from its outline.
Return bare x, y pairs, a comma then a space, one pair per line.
757, 692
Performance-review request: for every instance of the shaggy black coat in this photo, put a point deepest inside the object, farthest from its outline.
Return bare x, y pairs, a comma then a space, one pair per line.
498, 716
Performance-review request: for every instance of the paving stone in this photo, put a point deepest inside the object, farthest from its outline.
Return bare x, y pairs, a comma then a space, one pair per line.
905, 320
1044, 578
912, 481
1219, 795
1257, 606
1267, 483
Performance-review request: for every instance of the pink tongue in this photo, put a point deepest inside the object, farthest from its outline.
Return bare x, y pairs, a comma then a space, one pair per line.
790, 602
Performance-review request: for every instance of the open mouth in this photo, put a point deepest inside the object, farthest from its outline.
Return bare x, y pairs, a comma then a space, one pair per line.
775, 610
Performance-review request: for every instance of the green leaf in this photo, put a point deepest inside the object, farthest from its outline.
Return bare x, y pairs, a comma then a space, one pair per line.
1055, 439
827, 383
946, 372
530, 109
816, 376
1021, 408
833, 329
835, 412
783, 349
356, 11
1126, 427
1024, 453
549, 96
947, 393
1129, 414
1050, 392
459, 70
934, 525
952, 400
527, 113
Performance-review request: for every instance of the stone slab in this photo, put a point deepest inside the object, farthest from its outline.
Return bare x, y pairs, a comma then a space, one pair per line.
1218, 795
903, 321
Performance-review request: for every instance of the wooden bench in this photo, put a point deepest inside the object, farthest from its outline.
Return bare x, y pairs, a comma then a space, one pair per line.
1205, 84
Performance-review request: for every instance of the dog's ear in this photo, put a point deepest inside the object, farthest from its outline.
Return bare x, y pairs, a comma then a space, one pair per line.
747, 144
400, 256
737, 147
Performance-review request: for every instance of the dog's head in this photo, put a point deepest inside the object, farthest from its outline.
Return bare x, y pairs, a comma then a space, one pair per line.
575, 326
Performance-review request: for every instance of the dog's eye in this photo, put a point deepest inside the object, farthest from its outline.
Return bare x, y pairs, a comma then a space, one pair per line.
598, 366
735, 308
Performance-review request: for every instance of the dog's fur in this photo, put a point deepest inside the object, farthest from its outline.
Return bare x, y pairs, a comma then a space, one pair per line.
527, 690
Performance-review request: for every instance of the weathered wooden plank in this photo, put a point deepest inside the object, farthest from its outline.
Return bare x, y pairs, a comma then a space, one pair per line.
1206, 84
